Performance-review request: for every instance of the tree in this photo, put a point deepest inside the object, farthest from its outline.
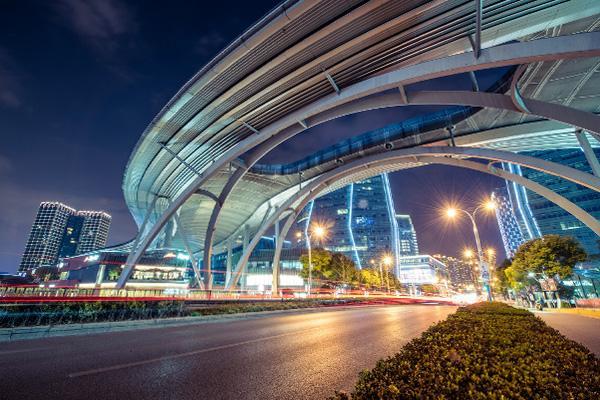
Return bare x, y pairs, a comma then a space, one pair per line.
550, 255
429, 289
46, 273
321, 260
369, 277
343, 268
502, 282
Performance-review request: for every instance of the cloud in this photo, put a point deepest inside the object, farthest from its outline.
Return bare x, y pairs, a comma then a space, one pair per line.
10, 87
209, 43
104, 24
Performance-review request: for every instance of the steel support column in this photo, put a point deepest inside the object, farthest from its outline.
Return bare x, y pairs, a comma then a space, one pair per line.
131, 261
590, 156
277, 254
188, 248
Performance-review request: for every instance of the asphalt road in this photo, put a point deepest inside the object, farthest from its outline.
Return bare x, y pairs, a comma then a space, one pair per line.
285, 356
585, 330
301, 355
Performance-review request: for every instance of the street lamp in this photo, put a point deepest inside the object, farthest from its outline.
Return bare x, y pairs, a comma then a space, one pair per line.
317, 231
489, 205
387, 261
468, 253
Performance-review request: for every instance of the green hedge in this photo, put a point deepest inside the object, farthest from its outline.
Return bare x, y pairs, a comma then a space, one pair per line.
485, 351
234, 308
15, 315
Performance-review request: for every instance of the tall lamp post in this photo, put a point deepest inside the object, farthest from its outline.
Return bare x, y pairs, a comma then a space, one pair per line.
387, 261
489, 206
319, 232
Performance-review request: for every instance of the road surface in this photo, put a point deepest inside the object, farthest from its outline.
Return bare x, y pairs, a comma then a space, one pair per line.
285, 356
585, 330
305, 355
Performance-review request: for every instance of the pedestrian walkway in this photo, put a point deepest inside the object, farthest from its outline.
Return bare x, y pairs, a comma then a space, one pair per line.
580, 328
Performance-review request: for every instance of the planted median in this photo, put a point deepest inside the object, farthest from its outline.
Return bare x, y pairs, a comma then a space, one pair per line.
485, 351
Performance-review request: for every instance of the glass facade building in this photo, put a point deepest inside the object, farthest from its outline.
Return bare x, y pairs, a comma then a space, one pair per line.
422, 269
61, 231
407, 236
360, 221
511, 234
549, 217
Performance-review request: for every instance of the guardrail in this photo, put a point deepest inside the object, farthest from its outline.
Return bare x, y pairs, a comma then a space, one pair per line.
45, 293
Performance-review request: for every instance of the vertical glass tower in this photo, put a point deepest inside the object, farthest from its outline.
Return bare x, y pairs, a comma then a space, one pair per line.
360, 221
407, 236
61, 231
552, 219
509, 228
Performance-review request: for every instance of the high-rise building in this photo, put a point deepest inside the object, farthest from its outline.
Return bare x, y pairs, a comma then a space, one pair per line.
511, 234
459, 271
94, 231
517, 195
360, 220
71, 235
61, 231
549, 217
407, 236
46, 235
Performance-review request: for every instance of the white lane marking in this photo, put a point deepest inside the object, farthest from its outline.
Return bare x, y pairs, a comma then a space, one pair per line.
181, 355
22, 350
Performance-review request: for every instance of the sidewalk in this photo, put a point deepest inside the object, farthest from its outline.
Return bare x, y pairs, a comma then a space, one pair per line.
587, 312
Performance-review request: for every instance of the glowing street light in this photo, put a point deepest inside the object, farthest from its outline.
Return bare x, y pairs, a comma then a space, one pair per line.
468, 253
488, 205
318, 231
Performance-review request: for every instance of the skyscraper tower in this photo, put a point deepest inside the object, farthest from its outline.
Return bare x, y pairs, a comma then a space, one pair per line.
360, 221
511, 234
61, 231
46, 235
549, 218
407, 236
94, 232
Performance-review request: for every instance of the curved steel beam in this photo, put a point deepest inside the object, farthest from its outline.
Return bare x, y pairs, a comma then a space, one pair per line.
278, 246
568, 206
256, 155
314, 187
562, 47
557, 112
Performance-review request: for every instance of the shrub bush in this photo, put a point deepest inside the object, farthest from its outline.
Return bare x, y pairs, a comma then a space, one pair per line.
241, 307
485, 351
15, 315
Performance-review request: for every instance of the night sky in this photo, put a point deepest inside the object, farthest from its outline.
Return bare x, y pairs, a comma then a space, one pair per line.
80, 81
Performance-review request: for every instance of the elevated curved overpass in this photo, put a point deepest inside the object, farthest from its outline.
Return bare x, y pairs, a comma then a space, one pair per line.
192, 181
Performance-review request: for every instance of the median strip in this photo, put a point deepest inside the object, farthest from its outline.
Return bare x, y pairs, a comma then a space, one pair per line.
484, 351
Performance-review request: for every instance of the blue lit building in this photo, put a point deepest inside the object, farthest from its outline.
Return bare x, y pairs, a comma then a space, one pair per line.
360, 220
407, 236
511, 234
538, 216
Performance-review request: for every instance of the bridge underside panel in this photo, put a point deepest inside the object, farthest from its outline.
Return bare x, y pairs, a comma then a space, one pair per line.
242, 101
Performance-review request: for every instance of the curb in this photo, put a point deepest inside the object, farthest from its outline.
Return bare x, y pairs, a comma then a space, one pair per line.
37, 332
